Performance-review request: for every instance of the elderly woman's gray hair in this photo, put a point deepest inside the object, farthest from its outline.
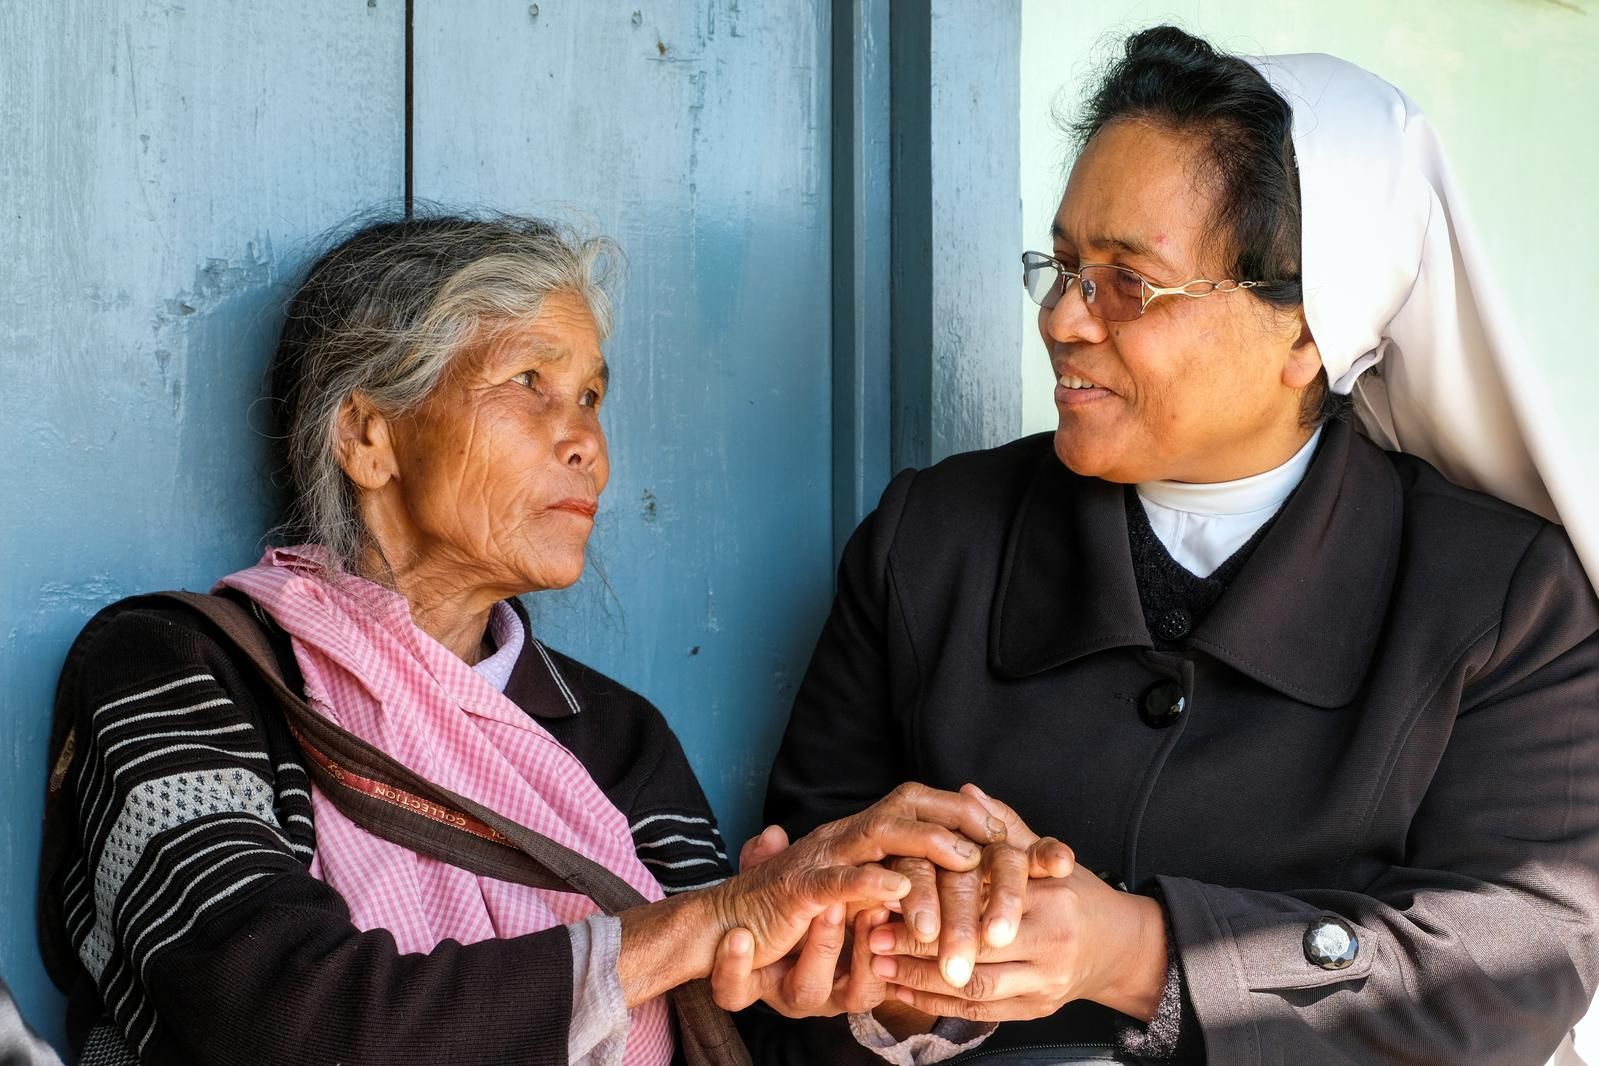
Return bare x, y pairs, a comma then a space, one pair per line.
384, 313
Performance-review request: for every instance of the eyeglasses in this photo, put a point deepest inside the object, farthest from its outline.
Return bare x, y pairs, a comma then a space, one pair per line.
1112, 293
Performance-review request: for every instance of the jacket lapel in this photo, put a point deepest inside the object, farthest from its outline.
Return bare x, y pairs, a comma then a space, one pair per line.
1066, 584
1303, 616
1305, 613
536, 683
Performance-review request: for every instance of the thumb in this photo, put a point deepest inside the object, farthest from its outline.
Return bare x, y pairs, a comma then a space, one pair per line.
1017, 832
757, 849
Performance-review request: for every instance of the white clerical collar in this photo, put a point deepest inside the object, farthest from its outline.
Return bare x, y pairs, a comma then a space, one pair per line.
1202, 525
1244, 496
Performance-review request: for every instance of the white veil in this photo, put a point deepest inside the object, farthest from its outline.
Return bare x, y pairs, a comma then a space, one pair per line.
1403, 304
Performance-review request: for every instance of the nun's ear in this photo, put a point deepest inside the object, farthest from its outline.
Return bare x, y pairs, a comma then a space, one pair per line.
1303, 361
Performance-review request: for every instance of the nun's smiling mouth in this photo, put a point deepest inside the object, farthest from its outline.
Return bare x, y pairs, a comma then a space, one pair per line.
1073, 391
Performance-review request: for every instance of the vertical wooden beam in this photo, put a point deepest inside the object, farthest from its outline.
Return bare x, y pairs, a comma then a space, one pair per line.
862, 263
957, 227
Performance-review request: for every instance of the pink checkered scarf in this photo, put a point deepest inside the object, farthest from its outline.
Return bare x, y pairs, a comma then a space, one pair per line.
370, 670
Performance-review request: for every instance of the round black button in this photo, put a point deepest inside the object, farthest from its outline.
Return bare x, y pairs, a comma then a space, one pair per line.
1162, 704
1173, 624
1331, 944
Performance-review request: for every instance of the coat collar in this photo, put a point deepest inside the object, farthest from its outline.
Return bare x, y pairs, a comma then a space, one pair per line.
1302, 617
536, 683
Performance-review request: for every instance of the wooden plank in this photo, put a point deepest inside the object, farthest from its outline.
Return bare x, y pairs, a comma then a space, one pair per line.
696, 133
957, 227
862, 261
165, 168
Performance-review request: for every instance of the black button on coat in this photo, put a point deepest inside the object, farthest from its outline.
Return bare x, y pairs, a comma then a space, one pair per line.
1391, 716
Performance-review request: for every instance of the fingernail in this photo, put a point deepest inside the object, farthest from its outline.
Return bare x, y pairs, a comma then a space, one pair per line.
926, 924
896, 884
881, 940
957, 971
834, 915
996, 827
741, 942
884, 966
966, 848
904, 995
999, 932
978, 789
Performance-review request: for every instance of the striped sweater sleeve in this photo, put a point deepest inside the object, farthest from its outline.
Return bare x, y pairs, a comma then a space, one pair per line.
190, 903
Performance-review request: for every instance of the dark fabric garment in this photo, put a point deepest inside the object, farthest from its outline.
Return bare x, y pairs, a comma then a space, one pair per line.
1390, 715
1173, 599
220, 947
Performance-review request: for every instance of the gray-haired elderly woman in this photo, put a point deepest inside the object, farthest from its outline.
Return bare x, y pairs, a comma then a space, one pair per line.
438, 385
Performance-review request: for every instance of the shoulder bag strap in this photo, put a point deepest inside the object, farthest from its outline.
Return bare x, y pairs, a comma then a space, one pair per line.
386, 798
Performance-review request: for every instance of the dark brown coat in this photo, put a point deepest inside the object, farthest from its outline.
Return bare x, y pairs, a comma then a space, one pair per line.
1392, 715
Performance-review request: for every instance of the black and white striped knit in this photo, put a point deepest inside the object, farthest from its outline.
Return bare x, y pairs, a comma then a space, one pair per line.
201, 933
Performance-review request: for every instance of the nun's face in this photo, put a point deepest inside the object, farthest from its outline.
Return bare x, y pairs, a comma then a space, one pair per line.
1197, 390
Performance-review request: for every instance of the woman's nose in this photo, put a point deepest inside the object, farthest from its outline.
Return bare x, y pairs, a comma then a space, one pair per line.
1069, 320
581, 443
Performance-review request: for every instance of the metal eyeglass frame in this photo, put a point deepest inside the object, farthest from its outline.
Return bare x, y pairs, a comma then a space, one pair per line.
1149, 292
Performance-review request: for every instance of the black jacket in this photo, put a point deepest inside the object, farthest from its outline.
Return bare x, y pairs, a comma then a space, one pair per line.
1391, 715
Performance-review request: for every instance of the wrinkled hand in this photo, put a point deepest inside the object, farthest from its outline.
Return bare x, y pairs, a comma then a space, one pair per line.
822, 980
810, 983
1078, 939
949, 907
776, 901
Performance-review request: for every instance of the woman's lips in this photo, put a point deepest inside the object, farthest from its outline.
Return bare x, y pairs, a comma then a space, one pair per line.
586, 508
1070, 398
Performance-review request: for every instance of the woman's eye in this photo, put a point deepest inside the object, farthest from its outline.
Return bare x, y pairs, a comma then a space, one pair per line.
590, 398
526, 378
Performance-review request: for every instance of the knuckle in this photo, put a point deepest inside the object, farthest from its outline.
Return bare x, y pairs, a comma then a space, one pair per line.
877, 823
811, 993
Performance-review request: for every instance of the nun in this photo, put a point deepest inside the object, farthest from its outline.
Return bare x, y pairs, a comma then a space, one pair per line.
1279, 630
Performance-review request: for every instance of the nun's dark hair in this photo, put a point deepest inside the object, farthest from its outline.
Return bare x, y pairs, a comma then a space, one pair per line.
1171, 78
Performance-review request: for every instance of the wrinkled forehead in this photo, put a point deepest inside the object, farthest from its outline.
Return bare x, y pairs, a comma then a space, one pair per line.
562, 334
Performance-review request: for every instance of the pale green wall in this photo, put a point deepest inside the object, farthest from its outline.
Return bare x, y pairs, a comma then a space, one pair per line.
1512, 85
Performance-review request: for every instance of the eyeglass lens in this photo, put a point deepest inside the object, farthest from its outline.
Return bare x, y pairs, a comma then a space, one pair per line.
1110, 292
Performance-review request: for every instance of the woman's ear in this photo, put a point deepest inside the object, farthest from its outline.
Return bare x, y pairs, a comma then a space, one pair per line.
365, 445
1304, 358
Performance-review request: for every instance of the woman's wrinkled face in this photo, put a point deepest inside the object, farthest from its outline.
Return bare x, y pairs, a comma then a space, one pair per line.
500, 471
1197, 389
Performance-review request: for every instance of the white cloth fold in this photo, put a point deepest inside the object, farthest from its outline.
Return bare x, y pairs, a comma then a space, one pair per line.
1402, 300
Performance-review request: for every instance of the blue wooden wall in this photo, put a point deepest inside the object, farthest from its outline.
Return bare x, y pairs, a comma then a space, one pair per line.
697, 135
165, 170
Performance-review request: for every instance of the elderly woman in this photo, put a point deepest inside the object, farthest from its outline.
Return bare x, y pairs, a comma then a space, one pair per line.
1321, 726
439, 383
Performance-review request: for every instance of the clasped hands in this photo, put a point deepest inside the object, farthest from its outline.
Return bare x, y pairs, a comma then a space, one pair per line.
968, 914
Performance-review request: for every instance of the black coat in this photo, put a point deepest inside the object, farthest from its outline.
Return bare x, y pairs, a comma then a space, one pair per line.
1391, 715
